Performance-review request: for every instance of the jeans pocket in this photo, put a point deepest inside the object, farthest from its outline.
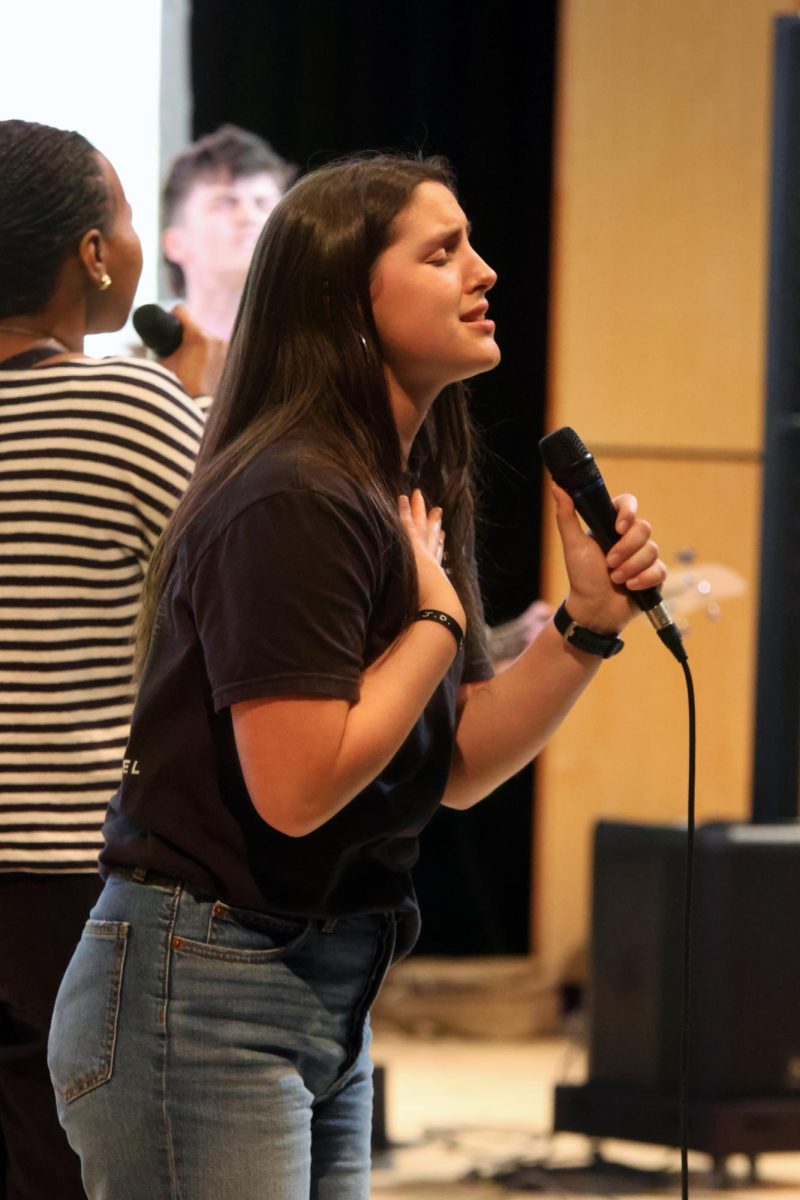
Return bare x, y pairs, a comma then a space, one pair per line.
240, 935
83, 1033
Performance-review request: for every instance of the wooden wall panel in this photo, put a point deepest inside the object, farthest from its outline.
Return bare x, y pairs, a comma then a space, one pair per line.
661, 218
657, 360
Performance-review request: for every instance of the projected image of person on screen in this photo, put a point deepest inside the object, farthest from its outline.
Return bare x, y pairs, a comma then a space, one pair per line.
217, 195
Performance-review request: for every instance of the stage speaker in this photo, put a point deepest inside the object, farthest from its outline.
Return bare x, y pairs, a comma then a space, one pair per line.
745, 1000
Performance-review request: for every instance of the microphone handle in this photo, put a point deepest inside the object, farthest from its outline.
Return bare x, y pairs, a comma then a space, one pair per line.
573, 468
595, 506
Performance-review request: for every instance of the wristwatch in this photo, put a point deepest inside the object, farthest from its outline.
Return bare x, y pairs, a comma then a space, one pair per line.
604, 644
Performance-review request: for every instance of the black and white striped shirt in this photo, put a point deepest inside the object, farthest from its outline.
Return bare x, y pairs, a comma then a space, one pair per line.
94, 455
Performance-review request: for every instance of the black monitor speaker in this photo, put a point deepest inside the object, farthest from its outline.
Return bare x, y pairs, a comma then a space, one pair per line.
744, 1047
745, 1028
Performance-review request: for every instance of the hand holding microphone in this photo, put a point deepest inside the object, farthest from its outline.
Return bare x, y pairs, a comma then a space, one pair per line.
631, 563
182, 346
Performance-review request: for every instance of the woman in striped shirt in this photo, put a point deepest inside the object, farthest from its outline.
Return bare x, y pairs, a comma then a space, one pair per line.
94, 455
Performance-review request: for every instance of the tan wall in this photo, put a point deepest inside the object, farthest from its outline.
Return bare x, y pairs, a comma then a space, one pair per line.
657, 360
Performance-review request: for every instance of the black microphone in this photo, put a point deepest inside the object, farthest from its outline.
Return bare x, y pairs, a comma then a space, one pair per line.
574, 469
160, 330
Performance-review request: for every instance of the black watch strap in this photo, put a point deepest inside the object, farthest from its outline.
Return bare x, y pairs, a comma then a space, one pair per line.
603, 644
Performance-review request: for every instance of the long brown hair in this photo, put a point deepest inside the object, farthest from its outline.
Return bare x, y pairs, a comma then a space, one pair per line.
305, 354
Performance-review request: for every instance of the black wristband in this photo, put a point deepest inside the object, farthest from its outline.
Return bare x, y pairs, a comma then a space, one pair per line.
443, 618
604, 644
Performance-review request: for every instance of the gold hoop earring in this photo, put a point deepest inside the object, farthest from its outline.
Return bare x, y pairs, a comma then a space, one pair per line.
105, 282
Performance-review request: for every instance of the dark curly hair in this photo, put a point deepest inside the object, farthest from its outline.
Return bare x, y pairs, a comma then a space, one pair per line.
51, 192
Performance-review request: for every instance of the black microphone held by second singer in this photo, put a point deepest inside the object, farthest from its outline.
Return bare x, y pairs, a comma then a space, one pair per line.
574, 469
160, 330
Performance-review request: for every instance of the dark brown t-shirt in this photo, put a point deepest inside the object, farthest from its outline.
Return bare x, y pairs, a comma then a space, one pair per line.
286, 585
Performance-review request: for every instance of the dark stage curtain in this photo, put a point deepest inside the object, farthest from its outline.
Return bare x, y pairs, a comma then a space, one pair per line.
319, 78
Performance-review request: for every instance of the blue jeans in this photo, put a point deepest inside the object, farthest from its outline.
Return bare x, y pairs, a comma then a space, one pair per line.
200, 1052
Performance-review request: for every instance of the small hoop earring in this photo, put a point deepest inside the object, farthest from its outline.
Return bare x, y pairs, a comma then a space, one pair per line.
104, 283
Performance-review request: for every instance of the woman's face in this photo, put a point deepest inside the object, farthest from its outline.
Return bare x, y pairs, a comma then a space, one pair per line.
428, 298
122, 258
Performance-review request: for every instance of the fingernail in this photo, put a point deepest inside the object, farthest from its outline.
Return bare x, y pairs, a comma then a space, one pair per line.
622, 527
617, 576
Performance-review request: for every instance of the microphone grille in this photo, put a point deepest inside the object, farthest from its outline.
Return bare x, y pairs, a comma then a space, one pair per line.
567, 459
562, 449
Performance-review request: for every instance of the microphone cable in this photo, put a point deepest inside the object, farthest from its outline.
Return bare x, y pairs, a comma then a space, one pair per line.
573, 467
683, 1087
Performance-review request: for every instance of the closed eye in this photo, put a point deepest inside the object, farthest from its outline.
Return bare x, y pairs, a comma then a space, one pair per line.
446, 249
443, 245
